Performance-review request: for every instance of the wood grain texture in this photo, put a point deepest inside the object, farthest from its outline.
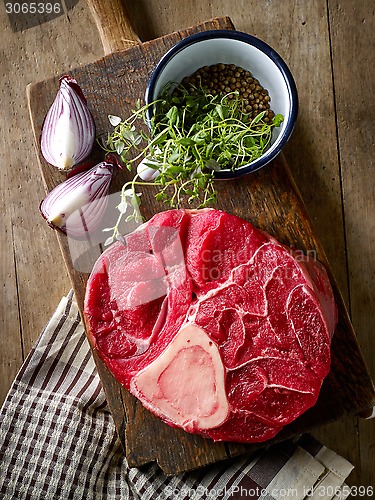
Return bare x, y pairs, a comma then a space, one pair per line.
356, 138
32, 277
304, 33
270, 200
10, 351
113, 24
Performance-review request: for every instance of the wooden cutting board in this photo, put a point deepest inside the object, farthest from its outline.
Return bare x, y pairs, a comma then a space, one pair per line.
268, 198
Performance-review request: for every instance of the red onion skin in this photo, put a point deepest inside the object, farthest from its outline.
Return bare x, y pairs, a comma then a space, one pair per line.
110, 162
84, 132
80, 168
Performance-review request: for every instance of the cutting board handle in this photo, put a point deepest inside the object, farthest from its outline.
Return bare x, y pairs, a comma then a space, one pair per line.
112, 21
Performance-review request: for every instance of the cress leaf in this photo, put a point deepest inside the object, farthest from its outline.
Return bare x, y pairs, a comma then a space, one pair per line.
186, 141
277, 120
172, 116
249, 141
174, 170
109, 241
120, 147
122, 207
114, 120
258, 118
219, 111
174, 157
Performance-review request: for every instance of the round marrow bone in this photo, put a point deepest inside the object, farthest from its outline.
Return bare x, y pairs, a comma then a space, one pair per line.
185, 384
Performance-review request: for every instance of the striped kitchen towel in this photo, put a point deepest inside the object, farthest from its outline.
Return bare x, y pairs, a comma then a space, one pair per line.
58, 440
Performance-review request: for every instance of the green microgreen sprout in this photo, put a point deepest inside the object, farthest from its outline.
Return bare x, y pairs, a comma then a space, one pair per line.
192, 136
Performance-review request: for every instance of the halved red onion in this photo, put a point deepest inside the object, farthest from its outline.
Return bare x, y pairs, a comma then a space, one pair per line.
77, 205
68, 131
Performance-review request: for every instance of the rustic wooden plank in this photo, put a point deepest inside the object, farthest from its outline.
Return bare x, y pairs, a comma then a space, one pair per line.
313, 155
112, 22
31, 275
314, 161
269, 199
10, 340
355, 123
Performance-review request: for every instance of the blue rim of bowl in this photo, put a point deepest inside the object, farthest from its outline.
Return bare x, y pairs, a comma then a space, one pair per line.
269, 155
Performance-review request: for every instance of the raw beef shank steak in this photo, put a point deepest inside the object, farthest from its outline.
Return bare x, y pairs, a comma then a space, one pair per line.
212, 324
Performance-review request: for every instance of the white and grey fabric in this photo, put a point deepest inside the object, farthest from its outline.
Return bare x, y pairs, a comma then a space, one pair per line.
58, 440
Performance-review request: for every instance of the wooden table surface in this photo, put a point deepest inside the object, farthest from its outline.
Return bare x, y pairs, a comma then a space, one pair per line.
329, 47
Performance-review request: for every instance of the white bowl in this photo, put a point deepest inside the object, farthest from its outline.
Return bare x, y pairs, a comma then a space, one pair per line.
250, 53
